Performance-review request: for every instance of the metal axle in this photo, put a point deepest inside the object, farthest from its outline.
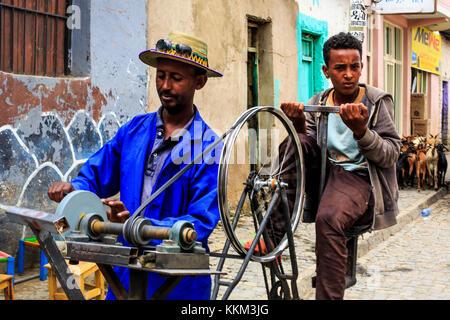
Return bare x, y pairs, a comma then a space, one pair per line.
138, 231
188, 235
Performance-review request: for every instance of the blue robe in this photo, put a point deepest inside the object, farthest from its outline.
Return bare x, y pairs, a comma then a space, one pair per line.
119, 166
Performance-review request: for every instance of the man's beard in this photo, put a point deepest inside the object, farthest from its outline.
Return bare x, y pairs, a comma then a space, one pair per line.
174, 110
171, 110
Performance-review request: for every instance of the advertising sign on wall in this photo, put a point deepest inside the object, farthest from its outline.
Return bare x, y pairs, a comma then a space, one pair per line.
406, 6
426, 50
358, 19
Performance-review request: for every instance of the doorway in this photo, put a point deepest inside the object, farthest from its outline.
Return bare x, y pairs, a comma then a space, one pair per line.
444, 113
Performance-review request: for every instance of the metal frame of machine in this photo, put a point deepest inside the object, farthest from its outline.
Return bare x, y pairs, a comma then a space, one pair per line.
89, 236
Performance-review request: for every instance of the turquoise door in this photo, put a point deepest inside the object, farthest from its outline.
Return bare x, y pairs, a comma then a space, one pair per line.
307, 68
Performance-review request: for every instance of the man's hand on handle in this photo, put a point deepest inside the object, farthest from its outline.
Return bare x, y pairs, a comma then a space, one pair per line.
355, 117
294, 111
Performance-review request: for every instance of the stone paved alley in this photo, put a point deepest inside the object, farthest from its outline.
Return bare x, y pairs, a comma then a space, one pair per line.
413, 263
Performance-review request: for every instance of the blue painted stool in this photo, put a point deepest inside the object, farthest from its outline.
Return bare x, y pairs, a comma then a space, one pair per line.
32, 242
6, 258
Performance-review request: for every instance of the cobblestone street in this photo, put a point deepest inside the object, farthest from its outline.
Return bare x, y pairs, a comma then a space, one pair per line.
414, 263
411, 264
215, 124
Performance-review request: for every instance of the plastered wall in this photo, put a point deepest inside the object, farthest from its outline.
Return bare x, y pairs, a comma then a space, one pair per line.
50, 126
223, 25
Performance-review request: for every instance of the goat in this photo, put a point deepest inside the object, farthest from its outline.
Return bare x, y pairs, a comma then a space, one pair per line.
406, 164
432, 162
421, 164
417, 140
411, 159
401, 164
442, 165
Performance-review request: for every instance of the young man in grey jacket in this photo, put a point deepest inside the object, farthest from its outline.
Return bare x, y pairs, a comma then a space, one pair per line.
363, 146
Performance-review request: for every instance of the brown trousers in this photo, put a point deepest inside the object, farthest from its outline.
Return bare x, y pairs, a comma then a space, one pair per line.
347, 200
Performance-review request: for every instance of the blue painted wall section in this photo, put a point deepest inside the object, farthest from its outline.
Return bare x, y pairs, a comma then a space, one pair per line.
48, 141
50, 126
84, 135
108, 126
16, 165
318, 29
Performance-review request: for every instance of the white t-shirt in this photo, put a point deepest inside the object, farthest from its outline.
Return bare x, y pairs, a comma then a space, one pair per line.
342, 147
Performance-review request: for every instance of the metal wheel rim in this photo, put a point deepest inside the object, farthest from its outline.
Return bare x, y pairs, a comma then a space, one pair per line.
223, 178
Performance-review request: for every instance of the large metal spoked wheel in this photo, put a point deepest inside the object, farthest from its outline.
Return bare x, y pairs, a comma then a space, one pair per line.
261, 153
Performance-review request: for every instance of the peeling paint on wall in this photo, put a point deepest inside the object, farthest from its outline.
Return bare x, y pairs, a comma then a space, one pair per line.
16, 165
47, 140
22, 94
59, 151
85, 137
50, 126
37, 154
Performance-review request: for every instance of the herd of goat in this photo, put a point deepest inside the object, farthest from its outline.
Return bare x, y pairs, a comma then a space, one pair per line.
422, 160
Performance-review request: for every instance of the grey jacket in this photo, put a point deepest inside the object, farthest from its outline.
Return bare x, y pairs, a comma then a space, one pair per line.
381, 147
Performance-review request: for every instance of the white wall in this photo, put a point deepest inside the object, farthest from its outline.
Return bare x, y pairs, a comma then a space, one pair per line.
335, 12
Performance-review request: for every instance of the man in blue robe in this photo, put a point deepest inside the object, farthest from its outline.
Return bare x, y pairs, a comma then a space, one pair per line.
151, 148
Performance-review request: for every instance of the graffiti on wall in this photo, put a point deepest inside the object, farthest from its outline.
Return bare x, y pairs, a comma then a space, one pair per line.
36, 154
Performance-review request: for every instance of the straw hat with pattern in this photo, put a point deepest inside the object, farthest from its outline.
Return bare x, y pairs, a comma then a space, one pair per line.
181, 47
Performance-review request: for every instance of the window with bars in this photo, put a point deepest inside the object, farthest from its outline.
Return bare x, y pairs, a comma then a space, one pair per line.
34, 38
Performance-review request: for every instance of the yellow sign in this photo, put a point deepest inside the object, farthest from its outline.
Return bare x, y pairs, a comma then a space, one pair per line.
426, 50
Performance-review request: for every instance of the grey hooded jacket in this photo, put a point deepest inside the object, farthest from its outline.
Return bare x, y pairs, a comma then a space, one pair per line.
380, 145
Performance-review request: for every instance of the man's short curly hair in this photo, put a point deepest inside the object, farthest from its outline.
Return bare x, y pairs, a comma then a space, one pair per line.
341, 40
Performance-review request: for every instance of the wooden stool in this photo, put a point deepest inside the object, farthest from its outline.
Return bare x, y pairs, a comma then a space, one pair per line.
6, 284
10, 262
31, 242
80, 271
